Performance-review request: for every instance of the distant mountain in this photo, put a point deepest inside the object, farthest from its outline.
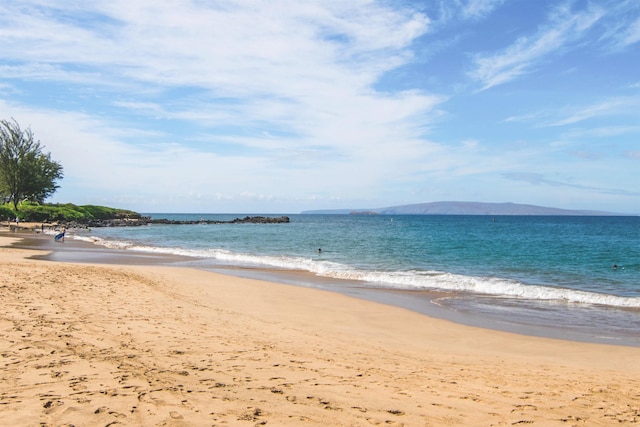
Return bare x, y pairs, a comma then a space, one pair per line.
467, 208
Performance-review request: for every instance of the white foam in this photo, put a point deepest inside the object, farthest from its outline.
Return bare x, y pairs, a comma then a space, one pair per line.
414, 280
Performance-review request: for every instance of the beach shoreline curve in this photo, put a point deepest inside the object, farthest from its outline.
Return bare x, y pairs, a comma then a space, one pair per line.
92, 344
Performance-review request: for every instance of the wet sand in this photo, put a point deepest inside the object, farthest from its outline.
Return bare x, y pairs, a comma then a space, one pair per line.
149, 345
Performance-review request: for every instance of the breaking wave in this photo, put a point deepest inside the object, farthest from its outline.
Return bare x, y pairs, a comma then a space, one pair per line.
406, 280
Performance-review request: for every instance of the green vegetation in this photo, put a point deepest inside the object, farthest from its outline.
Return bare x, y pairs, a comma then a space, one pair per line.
6, 213
67, 212
26, 173
28, 176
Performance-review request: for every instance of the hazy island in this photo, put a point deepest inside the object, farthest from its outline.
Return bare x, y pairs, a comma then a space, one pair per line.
466, 208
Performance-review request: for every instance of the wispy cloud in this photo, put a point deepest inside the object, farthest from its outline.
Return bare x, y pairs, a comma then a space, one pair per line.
624, 31
276, 50
216, 46
476, 9
524, 118
602, 132
569, 115
605, 108
633, 33
289, 85
634, 154
564, 27
249, 103
465, 10
540, 179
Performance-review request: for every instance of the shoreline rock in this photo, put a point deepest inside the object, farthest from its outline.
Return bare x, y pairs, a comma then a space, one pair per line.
137, 222
245, 220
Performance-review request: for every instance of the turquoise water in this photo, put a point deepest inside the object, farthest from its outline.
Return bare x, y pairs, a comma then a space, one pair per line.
518, 269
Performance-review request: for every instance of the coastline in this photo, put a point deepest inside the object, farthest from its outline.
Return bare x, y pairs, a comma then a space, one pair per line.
95, 344
481, 311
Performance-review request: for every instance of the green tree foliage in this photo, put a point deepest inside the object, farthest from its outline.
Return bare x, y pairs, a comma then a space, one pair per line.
26, 173
6, 213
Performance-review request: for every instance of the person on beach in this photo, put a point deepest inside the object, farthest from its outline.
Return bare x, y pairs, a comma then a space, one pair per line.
60, 237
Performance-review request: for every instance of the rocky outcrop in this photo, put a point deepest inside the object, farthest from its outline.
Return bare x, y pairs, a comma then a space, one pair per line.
114, 222
136, 222
245, 220
261, 220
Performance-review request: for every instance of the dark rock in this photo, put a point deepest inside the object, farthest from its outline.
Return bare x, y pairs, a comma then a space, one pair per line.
136, 222
245, 220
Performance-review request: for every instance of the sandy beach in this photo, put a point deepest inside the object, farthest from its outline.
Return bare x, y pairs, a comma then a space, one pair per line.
106, 345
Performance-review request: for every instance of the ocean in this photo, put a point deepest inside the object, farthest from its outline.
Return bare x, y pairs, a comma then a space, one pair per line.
557, 276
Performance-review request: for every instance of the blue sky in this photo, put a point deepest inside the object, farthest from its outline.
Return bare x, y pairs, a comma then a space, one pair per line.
284, 106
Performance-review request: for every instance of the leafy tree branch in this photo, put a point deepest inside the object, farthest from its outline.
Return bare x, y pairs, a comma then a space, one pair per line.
26, 173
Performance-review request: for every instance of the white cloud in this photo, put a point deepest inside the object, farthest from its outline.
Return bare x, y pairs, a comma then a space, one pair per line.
623, 31
294, 77
281, 45
603, 132
245, 105
465, 10
569, 115
541, 179
632, 35
563, 28
608, 107
475, 9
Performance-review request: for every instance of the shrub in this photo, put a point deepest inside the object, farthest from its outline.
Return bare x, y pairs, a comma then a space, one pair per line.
6, 213
68, 212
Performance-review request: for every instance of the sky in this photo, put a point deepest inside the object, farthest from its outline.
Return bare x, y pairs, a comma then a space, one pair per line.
282, 106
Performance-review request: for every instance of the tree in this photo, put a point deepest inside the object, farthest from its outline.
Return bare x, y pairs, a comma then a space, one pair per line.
26, 173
